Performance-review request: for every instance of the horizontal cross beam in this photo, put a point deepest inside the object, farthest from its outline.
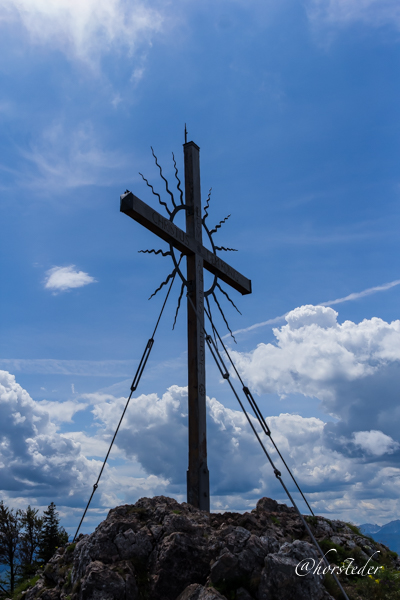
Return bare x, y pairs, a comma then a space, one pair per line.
168, 231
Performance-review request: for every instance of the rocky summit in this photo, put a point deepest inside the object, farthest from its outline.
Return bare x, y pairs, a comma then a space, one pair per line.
158, 549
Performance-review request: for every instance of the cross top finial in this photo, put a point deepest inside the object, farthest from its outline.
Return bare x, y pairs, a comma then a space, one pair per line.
185, 134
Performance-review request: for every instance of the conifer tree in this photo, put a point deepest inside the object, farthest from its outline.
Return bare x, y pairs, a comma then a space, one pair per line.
52, 535
29, 540
10, 527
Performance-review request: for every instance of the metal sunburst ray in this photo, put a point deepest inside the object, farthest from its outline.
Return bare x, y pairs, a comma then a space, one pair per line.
162, 177
227, 295
223, 316
155, 194
219, 225
207, 206
179, 305
226, 249
179, 181
163, 283
152, 251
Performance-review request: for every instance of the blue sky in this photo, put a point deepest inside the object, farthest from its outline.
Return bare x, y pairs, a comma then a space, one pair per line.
294, 105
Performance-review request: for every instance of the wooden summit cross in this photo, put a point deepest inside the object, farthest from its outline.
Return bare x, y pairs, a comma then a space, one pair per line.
190, 243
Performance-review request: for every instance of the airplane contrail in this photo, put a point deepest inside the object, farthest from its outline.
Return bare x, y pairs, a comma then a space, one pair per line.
353, 296
368, 292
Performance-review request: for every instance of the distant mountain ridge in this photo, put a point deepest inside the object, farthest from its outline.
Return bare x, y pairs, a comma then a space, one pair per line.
388, 534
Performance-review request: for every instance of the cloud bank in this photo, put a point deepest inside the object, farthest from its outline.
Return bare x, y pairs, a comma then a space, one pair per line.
348, 468
353, 370
38, 464
358, 479
35, 460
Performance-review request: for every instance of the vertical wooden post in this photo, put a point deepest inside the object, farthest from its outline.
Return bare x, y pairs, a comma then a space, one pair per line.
198, 487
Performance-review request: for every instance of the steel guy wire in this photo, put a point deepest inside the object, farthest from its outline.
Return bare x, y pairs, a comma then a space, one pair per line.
135, 383
277, 473
257, 412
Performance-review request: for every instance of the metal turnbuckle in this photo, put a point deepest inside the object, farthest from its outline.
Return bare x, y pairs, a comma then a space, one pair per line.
256, 411
217, 357
142, 364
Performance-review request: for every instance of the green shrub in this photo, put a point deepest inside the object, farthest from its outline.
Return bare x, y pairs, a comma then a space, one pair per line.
332, 587
77, 587
70, 548
67, 584
312, 520
23, 586
354, 528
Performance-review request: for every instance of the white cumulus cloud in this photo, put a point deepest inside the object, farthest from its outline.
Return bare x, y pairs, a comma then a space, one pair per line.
351, 368
60, 279
61, 412
337, 482
359, 479
311, 315
316, 356
154, 433
38, 464
375, 442
34, 457
348, 468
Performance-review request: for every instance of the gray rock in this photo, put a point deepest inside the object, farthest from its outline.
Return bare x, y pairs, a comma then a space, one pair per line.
270, 544
50, 595
104, 583
242, 594
336, 540
133, 545
181, 559
350, 544
279, 580
225, 569
270, 505
236, 539
253, 554
162, 550
34, 591
199, 592
323, 527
